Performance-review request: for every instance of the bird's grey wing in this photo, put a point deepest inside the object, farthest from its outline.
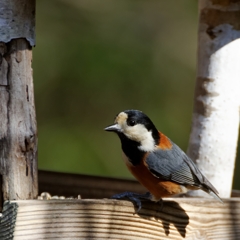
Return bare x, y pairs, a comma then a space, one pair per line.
174, 165
170, 165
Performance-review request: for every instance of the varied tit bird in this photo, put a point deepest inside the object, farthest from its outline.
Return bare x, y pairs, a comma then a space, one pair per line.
155, 161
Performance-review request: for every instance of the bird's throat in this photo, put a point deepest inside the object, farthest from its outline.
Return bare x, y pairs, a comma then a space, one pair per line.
131, 150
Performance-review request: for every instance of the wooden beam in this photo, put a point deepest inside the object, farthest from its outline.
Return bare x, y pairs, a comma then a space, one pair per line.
18, 152
114, 219
68, 184
18, 132
87, 186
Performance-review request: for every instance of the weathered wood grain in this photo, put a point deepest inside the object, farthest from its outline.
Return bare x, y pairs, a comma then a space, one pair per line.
69, 184
18, 132
113, 219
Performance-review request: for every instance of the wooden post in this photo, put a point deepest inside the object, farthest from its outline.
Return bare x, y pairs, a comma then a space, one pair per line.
18, 131
215, 122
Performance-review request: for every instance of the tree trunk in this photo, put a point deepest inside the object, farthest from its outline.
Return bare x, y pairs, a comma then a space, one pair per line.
18, 131
215, 121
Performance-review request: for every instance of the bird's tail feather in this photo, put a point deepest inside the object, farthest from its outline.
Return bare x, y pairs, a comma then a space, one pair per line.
215, 196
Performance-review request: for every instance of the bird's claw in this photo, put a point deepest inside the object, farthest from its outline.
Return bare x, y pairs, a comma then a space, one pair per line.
160, 202
134, 197
138, 202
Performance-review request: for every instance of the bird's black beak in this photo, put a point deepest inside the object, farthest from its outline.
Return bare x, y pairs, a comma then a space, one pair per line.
113, 128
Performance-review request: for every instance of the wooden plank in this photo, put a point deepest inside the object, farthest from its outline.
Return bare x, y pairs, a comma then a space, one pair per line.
113, 219
235, 193
87, 186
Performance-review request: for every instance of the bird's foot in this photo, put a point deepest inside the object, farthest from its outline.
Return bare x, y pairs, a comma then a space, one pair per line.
135, 197
160, 202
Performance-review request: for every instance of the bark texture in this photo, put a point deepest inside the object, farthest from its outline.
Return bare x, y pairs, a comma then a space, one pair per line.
215, 122
18, 132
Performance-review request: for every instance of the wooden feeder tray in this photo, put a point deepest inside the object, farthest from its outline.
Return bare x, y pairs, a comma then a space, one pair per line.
178, 218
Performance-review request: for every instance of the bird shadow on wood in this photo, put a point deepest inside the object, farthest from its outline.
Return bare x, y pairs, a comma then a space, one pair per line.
168, 212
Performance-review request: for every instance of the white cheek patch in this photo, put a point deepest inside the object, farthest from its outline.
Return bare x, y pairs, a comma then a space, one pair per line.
148, 143
140, 134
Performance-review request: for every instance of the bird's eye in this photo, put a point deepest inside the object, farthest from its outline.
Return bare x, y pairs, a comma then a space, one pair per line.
132, 123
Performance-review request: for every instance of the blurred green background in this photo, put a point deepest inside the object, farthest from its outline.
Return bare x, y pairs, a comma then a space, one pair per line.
96, 58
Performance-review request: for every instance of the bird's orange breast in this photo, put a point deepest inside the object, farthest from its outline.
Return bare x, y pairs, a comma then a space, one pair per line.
157, 187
